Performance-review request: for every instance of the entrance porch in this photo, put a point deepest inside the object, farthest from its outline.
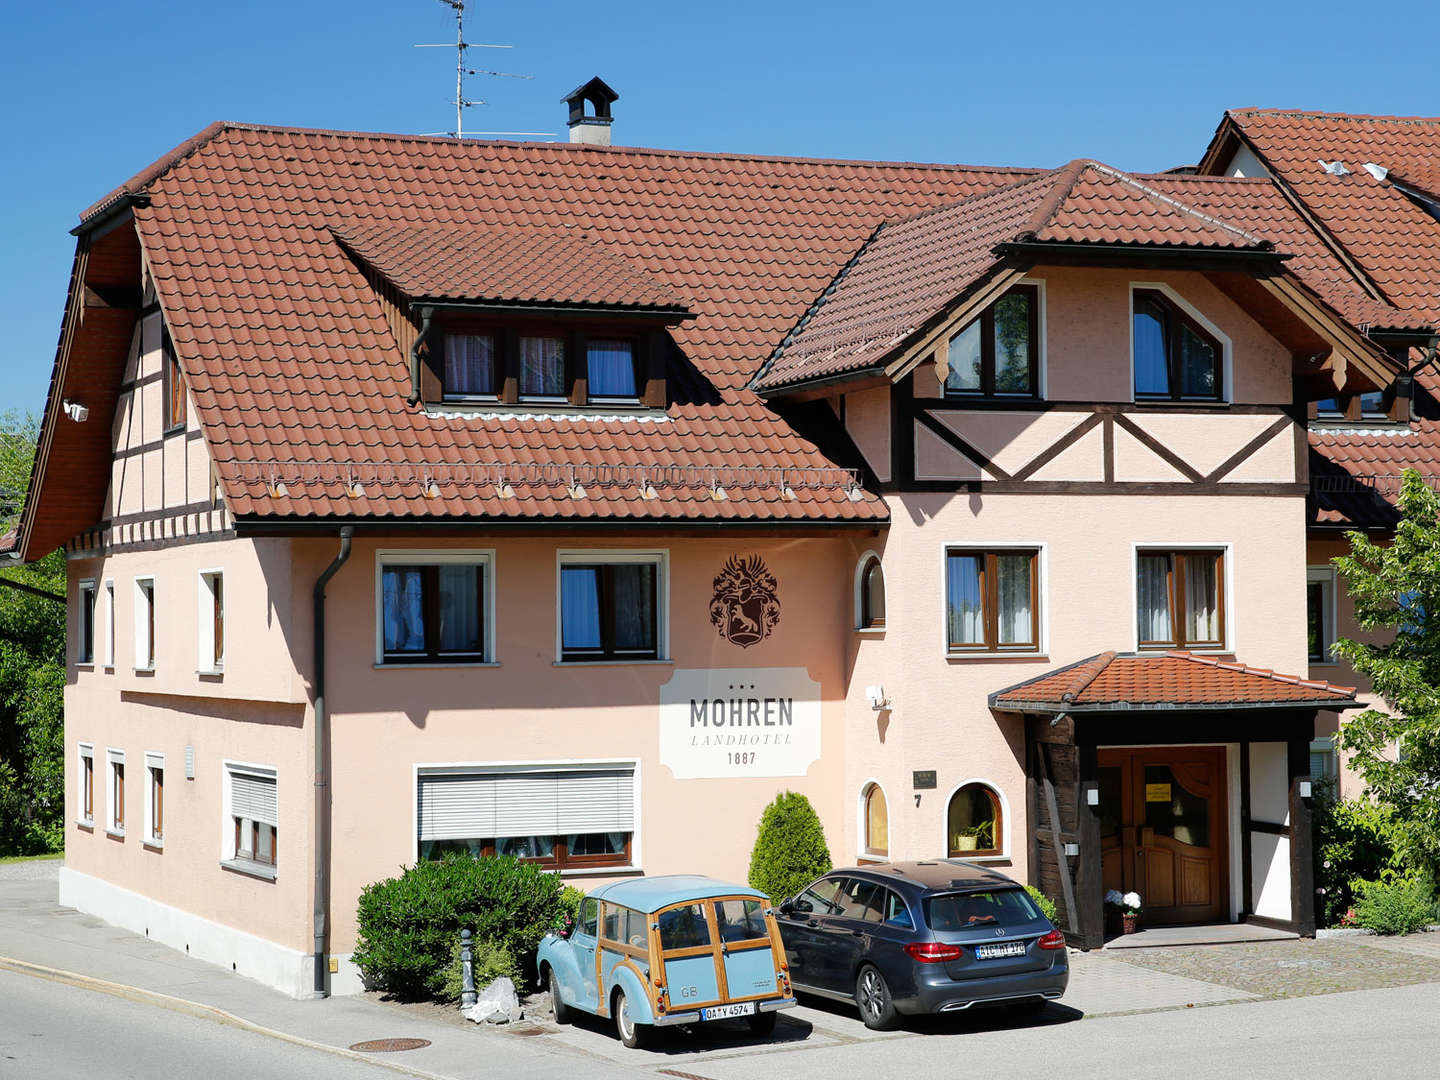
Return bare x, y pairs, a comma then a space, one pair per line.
1183, 778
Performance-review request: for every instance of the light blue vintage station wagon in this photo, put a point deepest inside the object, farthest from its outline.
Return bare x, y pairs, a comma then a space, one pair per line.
670, 950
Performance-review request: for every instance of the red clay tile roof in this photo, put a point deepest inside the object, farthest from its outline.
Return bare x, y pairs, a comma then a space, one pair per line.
1120, 681
1395, 242
519, 266
296, 376
914, 269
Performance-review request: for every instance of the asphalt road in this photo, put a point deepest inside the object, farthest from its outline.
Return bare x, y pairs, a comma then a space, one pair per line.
49, 1030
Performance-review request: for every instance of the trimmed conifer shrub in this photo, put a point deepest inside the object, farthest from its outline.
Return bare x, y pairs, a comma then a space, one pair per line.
790, 849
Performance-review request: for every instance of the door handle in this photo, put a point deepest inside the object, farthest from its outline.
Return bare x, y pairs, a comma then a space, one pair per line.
813, 922
857, 933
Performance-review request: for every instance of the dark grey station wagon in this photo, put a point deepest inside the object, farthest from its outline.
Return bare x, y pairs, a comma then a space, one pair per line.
921, 937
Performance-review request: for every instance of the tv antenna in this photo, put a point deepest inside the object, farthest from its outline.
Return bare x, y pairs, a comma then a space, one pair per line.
461, 70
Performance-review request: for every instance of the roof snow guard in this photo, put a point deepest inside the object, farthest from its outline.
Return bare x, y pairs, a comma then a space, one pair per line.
1180, 681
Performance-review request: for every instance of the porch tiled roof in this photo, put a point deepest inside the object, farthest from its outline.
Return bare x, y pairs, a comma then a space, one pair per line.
1174, 680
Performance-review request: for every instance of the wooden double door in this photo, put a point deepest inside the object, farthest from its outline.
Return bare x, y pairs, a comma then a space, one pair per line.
1163, 830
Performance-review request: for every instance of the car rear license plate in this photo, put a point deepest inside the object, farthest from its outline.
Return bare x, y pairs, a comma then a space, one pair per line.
725, 1012
1004, 948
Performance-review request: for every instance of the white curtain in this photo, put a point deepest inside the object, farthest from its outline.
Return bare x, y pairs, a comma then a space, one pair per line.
542, 367
610, 367
965, 358
1013, 584
469, 364
404, 616
1153, 590
580, 607
1202, 607
964, 608
459, 609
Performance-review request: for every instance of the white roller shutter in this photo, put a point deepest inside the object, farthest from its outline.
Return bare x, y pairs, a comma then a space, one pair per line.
471, 806
252, 796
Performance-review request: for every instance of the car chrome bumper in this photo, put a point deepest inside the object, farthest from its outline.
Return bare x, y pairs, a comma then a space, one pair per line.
693, 1016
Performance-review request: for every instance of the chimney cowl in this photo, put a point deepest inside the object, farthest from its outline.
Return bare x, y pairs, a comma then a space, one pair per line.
593, 129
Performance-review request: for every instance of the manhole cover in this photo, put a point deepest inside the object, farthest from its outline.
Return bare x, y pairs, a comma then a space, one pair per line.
389, 1046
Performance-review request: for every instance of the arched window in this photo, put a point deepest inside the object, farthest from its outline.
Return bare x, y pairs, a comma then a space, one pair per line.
871, 613
974, 824
877, 821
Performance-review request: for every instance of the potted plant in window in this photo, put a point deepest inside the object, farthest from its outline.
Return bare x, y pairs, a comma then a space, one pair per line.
975, 838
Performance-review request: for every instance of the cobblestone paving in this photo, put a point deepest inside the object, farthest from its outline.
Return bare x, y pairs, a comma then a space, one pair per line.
1286, 969
1414, 944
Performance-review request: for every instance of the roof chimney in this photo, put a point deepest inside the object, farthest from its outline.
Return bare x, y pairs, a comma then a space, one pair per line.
595, 128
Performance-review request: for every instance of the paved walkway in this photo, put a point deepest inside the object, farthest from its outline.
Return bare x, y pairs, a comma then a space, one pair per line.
35, 933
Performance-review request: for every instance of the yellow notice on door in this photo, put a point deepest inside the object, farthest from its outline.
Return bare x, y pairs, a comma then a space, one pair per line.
1157, 792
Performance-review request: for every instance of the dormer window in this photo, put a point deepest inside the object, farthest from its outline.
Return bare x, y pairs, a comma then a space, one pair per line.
997, 355
521, 365
1176, 359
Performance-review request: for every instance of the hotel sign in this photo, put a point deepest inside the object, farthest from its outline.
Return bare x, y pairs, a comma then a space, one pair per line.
720, 722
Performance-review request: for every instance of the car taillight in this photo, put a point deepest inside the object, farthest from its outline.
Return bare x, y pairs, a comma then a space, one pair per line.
1053, 940
933, 952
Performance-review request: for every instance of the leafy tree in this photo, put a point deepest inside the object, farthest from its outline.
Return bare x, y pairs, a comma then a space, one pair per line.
790, 850
1396, 588
32, 671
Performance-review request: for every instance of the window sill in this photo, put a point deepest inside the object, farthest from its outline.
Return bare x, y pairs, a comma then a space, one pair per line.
1033, 657
982, 858
441, 665
115, 834
157, 846
249, 869
88, 826
597, 871
1181, 403
211, 673
109, 669
612, 663
84, 665
870, 631
175, 429
873, 860
1207, 650
144, 670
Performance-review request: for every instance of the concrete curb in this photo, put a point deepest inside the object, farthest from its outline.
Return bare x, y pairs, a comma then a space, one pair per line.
200, 1011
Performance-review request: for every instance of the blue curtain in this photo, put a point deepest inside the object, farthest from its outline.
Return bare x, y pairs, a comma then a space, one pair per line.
611, 368
580, 607
404, 617
1152, 369
964, 609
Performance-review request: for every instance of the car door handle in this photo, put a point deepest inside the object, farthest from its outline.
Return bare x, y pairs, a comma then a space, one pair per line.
857, 933
813, 922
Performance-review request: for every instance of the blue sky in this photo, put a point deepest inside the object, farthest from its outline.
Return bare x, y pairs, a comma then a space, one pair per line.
92, 92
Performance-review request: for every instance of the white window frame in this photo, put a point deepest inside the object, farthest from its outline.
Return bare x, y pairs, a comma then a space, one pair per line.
1042, 568
1325, 744
153, 760
1226, 549
1227, 348
1006, 821
85, 752
87, 586
144, 661
660, 557
484, 558
858, 596
205, 622
1329, 614
1042, 353
114, 757
110, 624
637, 863
230, 858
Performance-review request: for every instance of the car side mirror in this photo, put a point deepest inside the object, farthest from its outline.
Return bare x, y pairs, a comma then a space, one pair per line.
786, 906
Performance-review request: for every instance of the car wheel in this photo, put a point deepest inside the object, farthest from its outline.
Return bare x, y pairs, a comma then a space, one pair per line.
563, 1013
761, 1023
872, 995
631, 1033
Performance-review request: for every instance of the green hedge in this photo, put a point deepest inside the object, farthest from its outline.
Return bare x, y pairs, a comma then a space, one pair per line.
1043, 902
790, 849
1402, 906
1353, 843
409, 925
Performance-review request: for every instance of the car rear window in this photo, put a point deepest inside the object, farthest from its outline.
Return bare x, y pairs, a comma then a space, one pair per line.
741, 920
684, 927
972, 910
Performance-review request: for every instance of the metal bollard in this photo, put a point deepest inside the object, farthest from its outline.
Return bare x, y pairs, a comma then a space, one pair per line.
467, 972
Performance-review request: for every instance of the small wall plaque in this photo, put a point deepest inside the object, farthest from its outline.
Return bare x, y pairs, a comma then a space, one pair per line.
924, 780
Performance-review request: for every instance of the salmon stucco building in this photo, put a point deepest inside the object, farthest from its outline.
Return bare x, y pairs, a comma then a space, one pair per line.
571, 500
